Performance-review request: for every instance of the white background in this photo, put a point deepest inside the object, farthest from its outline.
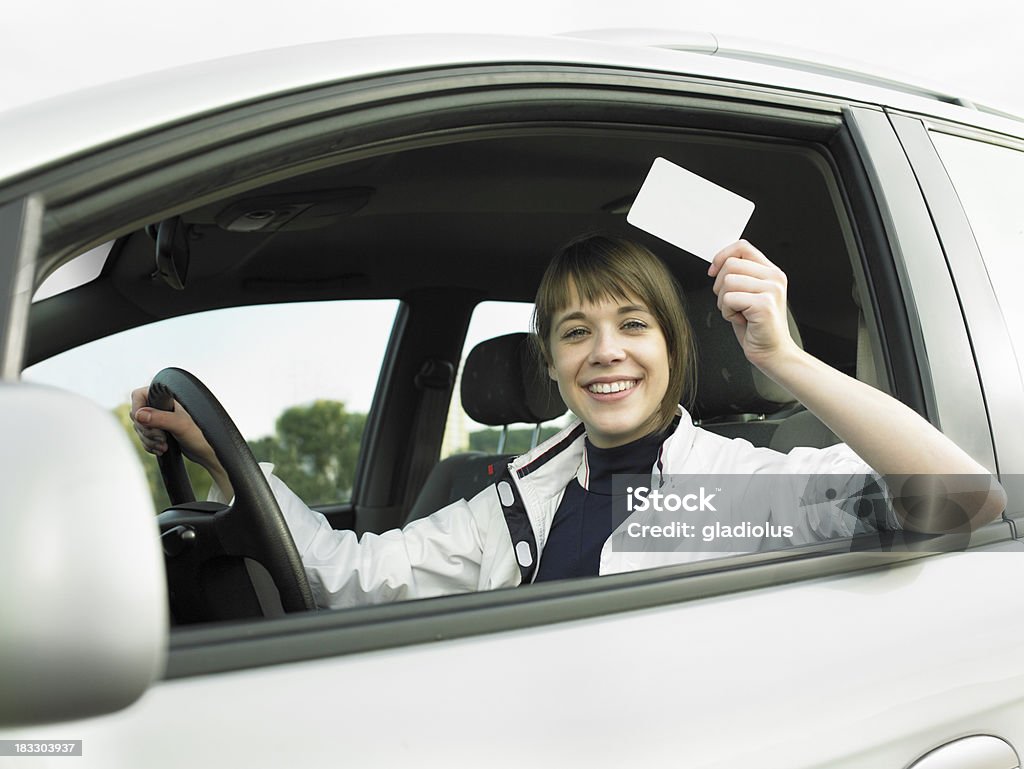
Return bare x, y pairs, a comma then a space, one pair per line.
50, 46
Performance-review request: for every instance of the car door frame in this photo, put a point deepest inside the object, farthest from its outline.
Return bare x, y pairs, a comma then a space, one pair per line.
20, 225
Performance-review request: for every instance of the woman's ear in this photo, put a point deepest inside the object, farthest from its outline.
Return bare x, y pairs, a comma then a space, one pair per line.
541, 360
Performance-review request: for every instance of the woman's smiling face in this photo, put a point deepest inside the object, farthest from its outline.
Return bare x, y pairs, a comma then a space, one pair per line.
611, 364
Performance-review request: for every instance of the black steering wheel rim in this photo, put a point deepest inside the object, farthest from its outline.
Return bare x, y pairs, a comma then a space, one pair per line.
253, 525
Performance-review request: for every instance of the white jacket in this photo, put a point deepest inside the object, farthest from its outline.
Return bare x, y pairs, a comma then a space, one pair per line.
497, 538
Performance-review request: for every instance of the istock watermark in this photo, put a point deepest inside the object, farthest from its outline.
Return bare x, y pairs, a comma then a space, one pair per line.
725, 513
642, 499
708, 532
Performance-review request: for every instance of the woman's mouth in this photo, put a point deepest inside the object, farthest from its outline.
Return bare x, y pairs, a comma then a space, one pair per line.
619, 387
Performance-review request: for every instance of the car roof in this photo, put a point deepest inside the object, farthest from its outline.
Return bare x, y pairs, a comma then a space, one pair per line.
46, 132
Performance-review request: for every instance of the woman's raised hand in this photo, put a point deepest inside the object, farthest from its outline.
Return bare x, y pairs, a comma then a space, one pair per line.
751, 294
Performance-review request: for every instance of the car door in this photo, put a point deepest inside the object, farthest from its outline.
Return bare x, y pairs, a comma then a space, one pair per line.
824, 658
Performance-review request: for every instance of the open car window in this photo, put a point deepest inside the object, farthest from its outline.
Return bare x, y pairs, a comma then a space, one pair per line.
420, 223
298, 380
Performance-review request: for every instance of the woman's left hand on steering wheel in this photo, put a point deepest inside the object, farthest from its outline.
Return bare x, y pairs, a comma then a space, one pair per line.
252, 526
152, 426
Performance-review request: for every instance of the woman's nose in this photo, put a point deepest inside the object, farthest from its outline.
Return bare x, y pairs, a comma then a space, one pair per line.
607, 348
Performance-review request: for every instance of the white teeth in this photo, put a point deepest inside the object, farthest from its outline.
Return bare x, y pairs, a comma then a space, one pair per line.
612, 387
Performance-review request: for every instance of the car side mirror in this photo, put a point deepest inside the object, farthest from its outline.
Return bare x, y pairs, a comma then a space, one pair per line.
83, 613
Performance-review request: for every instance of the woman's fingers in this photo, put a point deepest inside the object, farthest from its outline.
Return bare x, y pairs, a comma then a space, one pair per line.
733, 282
153, 440
745, 261
742, 250
741, 267
139, 398
152, 425
734, 266
752, 306
751, 295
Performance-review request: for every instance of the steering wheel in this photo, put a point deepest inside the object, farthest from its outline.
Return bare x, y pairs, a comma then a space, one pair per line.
196, 538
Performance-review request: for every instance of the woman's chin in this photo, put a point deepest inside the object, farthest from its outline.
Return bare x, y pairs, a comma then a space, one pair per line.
604, 434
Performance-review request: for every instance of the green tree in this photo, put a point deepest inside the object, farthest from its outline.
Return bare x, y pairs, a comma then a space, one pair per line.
314, 450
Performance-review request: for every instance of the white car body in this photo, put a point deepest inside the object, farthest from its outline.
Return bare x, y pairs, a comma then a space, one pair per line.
854, 660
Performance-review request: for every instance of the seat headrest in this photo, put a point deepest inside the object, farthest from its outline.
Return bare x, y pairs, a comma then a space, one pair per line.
727, 383
503, 382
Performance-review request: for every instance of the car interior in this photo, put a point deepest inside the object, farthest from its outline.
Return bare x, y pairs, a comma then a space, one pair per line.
449, 224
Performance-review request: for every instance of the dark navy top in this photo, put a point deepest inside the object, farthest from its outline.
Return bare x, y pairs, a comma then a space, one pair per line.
583, 521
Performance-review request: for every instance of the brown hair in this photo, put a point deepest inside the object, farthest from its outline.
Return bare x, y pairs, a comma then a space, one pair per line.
602, 267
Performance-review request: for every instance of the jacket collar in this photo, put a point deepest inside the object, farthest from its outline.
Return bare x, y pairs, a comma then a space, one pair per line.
553, 463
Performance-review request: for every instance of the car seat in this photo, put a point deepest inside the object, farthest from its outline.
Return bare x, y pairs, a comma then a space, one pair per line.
803, 428
502, 383
737, 400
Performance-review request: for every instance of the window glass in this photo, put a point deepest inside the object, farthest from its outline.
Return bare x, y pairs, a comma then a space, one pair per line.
490, 319
79, 271
990, 182
297, 379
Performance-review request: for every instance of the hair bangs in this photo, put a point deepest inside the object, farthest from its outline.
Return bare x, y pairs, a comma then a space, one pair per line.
589, 271
589, 283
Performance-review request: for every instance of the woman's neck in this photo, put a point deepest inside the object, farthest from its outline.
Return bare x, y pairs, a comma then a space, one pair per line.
633, 458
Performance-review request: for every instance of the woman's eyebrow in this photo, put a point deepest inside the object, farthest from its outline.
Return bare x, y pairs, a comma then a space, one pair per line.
625, 310
576, 315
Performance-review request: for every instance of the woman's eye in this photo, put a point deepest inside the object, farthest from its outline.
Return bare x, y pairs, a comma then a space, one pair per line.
574, 333
634, 325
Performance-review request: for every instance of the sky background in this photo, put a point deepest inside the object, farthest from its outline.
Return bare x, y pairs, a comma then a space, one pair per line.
971, 49
52, 46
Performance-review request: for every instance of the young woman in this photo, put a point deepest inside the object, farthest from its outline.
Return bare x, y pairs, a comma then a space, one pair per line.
613, 334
